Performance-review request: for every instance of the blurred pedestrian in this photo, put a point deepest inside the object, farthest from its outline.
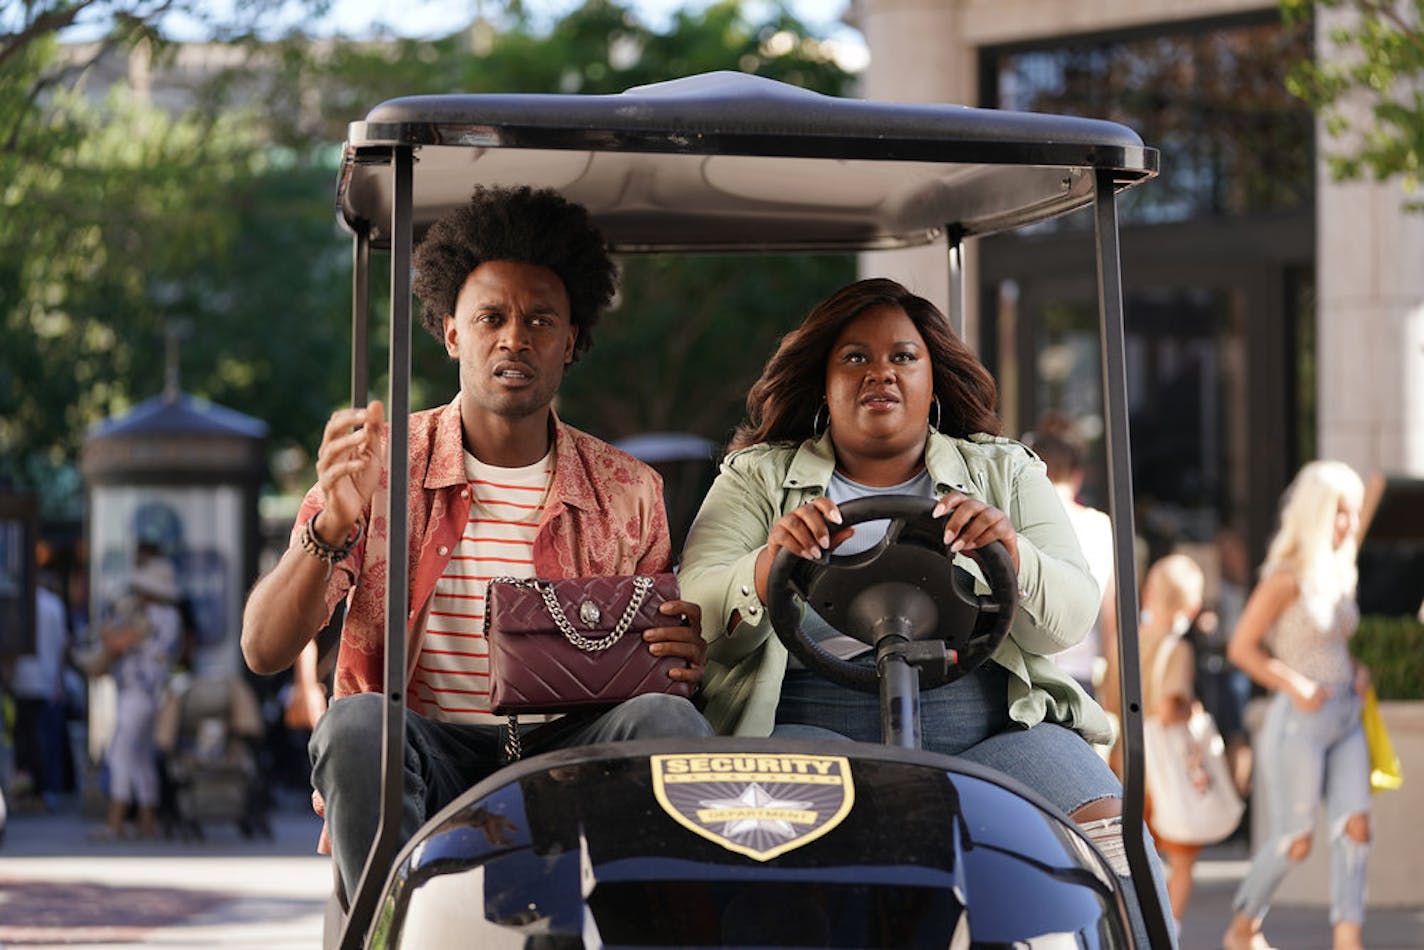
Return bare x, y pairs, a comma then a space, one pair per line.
1171, 600
1222, 688
1292, 639
41, 737
1062, 456
140, 645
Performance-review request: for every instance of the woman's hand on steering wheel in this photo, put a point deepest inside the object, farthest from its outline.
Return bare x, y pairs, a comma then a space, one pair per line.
973, 524
806, 531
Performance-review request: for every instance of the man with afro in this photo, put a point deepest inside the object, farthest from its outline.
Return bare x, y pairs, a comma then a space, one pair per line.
512, 283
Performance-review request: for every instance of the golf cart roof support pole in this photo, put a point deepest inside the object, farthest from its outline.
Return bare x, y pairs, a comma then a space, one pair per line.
388, 842
956, 281
360, 314
1114, 361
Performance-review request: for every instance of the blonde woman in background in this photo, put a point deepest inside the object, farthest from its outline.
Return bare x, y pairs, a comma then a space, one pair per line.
1292, 639
1171, 600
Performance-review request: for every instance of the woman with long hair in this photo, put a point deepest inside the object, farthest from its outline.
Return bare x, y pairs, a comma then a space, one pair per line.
873, 394
1171, 601
1292, 639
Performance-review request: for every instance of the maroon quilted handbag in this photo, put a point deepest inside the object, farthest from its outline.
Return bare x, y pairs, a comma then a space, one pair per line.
561, 645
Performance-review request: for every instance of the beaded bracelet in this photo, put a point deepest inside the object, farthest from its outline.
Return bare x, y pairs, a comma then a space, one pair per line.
330, 553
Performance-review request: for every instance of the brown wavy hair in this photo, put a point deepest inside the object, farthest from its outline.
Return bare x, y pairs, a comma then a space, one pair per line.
781, 406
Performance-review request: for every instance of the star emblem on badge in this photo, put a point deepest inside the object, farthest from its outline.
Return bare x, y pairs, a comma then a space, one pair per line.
756, 797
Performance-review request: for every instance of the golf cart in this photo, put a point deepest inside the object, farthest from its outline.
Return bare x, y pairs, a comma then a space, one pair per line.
757, 842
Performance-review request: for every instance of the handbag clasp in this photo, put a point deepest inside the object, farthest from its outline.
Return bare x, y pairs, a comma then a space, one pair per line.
589, 614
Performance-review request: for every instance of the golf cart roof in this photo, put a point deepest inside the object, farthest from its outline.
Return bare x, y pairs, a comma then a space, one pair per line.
727, 161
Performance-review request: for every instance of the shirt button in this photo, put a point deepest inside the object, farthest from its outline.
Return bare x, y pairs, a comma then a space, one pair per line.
443, 550
411, 615
795, 482
753, 610
464, 493
746, 591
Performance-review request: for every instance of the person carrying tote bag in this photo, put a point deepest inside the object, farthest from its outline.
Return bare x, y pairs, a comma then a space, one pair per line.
1191, 800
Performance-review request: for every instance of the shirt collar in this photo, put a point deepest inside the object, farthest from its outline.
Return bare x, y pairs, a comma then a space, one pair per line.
447, 457
573, 484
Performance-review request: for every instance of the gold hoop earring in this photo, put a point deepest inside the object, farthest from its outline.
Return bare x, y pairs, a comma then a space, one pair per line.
817, 430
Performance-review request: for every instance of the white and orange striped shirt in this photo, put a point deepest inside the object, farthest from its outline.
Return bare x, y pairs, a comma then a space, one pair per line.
604, 515
451, 680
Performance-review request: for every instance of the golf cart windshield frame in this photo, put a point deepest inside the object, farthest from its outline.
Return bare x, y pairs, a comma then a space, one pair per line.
727, 162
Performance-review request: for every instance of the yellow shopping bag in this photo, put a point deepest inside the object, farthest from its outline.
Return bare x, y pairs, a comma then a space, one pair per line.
1384, 764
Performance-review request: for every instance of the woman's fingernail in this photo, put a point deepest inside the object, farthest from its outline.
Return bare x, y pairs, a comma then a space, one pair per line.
815, 552
939, 509
834, 516
956, 547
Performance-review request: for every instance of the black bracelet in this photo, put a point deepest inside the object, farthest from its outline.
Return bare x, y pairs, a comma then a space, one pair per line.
330, 553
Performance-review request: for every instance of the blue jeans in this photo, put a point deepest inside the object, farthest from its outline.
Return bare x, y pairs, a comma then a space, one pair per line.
969, 718
443, 760
42, 743
1304, 755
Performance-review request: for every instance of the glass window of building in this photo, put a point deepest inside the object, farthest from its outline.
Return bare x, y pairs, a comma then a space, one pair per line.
1218, 256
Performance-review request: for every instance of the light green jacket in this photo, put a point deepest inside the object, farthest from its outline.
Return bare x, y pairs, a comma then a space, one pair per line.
1058, 598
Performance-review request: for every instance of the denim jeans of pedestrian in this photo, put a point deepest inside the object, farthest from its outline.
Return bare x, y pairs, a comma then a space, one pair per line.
969, 718
42, 742
1302, 756
443, 760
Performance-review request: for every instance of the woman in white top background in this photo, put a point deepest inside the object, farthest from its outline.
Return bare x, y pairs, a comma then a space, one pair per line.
1293, 640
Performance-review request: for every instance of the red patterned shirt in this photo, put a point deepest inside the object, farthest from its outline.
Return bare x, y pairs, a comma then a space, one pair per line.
604, 516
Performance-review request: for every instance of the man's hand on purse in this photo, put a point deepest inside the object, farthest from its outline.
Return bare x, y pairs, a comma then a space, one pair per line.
683, 639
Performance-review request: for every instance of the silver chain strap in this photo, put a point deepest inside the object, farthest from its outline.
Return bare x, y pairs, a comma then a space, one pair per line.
513, 747
641, 585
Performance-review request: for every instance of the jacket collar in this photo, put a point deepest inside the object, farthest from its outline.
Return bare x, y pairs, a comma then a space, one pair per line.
815, 460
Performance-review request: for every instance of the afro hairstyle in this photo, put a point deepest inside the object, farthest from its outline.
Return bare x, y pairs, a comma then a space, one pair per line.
521, 224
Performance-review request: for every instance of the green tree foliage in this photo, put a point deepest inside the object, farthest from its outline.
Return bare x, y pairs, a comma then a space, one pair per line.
691, 334
118, 218
1393, 649
1370, 92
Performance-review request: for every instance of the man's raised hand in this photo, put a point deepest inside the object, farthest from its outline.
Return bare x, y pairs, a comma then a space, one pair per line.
348, 468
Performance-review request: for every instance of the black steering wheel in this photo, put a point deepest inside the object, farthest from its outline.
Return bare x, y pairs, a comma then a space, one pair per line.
907, 584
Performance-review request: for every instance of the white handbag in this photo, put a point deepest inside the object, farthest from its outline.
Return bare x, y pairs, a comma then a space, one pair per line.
1178, 756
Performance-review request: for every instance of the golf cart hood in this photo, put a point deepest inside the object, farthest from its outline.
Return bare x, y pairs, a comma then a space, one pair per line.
747, 842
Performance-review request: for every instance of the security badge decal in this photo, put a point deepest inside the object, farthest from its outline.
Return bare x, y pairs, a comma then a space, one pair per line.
757, 805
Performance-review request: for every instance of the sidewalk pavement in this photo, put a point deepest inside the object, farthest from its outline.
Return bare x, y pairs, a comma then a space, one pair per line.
1288, 927
59, 889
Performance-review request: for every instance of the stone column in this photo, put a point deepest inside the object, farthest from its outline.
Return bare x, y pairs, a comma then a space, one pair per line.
920, 54
1370, 315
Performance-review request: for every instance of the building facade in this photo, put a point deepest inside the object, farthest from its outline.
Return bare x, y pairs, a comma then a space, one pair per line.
1273, 315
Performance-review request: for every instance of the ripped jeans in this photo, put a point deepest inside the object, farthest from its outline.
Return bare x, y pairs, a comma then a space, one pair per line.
1302, 757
